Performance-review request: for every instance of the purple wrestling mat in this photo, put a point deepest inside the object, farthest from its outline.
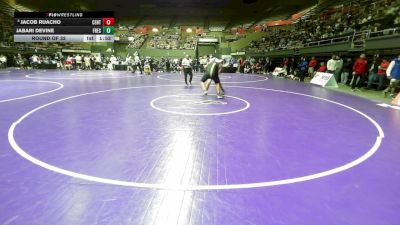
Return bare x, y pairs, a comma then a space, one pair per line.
112, 147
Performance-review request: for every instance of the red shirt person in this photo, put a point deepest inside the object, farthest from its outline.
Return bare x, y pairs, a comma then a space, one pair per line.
311, 66
285, 62
360, 69
380, 76
383, 67
322, 67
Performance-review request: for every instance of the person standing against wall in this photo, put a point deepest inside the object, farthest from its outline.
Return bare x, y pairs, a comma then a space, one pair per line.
360, 69
331, 65
380, 75
338, 68
393, 73
346, 71
311, 66
303, 68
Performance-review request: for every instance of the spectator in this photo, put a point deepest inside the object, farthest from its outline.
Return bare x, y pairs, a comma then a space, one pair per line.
267, 65
107, 63
292, 66
129, 63
135, 40
68, 63
3, 61
113, 62
168, 65
311, 66
338, 68
73, 62
78, 60
60, 60
393, 73
360, 69
195, 65
373, 71
171, 41
322, 68
379, 76
98, 62
138, 63
303, 66
87, 62
257, 67
35, 61
331, 65
340, 20
286, 66
240, 64
347, 69
247, 66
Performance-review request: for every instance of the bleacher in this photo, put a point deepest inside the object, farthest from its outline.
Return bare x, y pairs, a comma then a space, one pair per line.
343, 19
164, 40
189, 41
136, 41
172, 40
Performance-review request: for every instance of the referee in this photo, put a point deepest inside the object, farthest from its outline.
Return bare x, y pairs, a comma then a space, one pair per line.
187, 69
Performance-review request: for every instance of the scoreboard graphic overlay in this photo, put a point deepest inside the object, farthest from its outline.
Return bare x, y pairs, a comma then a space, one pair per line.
64, 26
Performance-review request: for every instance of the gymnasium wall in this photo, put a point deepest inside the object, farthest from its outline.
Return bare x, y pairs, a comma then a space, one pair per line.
224, 50
337, 47
385, 42
207, 50
158, 53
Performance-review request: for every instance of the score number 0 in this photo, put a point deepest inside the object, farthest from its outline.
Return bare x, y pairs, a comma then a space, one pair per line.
108, 25
108, 21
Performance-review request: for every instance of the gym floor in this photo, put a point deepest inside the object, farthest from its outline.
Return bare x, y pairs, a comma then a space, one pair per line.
112, 147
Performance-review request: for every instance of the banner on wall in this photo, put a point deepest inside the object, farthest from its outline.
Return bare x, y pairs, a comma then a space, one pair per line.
324, 80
